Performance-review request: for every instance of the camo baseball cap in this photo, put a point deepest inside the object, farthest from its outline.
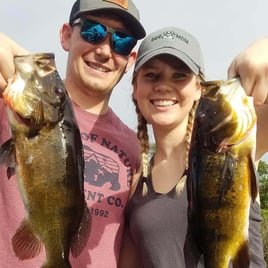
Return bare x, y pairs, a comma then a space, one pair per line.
125, 9
173, 41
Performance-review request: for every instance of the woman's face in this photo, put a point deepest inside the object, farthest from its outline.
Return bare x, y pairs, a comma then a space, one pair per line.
165, 89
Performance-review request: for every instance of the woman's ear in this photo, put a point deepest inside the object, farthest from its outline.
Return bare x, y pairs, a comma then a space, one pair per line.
65, 36
198, 92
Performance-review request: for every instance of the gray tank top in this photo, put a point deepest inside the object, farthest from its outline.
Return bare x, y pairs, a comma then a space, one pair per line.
158, 224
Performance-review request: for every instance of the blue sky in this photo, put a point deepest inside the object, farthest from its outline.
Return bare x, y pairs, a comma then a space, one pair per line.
223, 29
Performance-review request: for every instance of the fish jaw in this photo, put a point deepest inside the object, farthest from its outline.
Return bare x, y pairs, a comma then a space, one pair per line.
14, 94
226, 114
243, 107
25, 95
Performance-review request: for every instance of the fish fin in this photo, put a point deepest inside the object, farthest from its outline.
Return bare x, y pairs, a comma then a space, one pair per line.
79, 240
227, 175
26, 244
7, 156
10, 172
242, 260
253, 180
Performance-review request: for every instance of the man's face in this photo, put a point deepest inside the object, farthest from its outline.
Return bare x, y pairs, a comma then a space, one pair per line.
96, 68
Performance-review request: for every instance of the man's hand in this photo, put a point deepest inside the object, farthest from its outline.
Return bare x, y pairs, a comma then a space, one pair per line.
251, 65
8, 49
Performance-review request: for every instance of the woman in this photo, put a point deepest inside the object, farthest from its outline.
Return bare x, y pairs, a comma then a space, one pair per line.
167, 88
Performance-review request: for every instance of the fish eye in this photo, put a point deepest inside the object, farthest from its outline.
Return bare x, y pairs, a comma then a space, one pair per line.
58, 91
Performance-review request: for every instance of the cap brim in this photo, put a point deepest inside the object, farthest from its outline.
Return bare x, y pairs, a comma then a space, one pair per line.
170, 51
137, 29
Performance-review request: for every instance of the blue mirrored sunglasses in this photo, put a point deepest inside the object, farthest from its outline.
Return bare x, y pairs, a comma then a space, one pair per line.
95, 32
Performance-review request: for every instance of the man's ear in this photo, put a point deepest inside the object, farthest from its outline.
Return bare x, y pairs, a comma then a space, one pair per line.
65, 36
131, 59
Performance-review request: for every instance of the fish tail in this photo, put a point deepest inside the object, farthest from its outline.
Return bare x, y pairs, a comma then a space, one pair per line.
241, 260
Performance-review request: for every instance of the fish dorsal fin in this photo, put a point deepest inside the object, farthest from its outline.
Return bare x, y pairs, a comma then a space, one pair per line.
79, 240
26, 244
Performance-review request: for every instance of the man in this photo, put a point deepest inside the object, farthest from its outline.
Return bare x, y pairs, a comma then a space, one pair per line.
99, 39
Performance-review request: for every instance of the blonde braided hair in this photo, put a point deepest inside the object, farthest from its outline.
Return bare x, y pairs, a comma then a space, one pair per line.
189, 130
143, 137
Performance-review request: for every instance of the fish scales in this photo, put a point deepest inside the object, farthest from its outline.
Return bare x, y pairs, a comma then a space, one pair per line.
47, 154
222, 179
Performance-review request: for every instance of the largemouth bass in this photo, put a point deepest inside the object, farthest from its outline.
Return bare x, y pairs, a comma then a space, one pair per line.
46, 153
222, 178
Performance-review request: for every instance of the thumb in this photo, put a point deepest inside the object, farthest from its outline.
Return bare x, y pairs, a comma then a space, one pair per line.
232, 70
8, 49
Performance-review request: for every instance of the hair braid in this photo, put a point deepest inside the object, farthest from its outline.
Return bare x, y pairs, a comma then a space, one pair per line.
143, 137
189, 131
190, 125
142, 134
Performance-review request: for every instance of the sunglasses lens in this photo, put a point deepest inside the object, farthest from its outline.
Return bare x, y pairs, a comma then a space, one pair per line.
123, 43
93, 32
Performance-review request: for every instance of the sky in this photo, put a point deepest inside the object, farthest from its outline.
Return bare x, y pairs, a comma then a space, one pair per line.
223, 28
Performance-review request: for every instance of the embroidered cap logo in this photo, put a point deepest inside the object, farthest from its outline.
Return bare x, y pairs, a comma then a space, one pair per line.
170, 35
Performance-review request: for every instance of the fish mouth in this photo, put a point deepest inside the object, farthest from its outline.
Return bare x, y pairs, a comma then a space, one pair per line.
163, 103
23, 120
